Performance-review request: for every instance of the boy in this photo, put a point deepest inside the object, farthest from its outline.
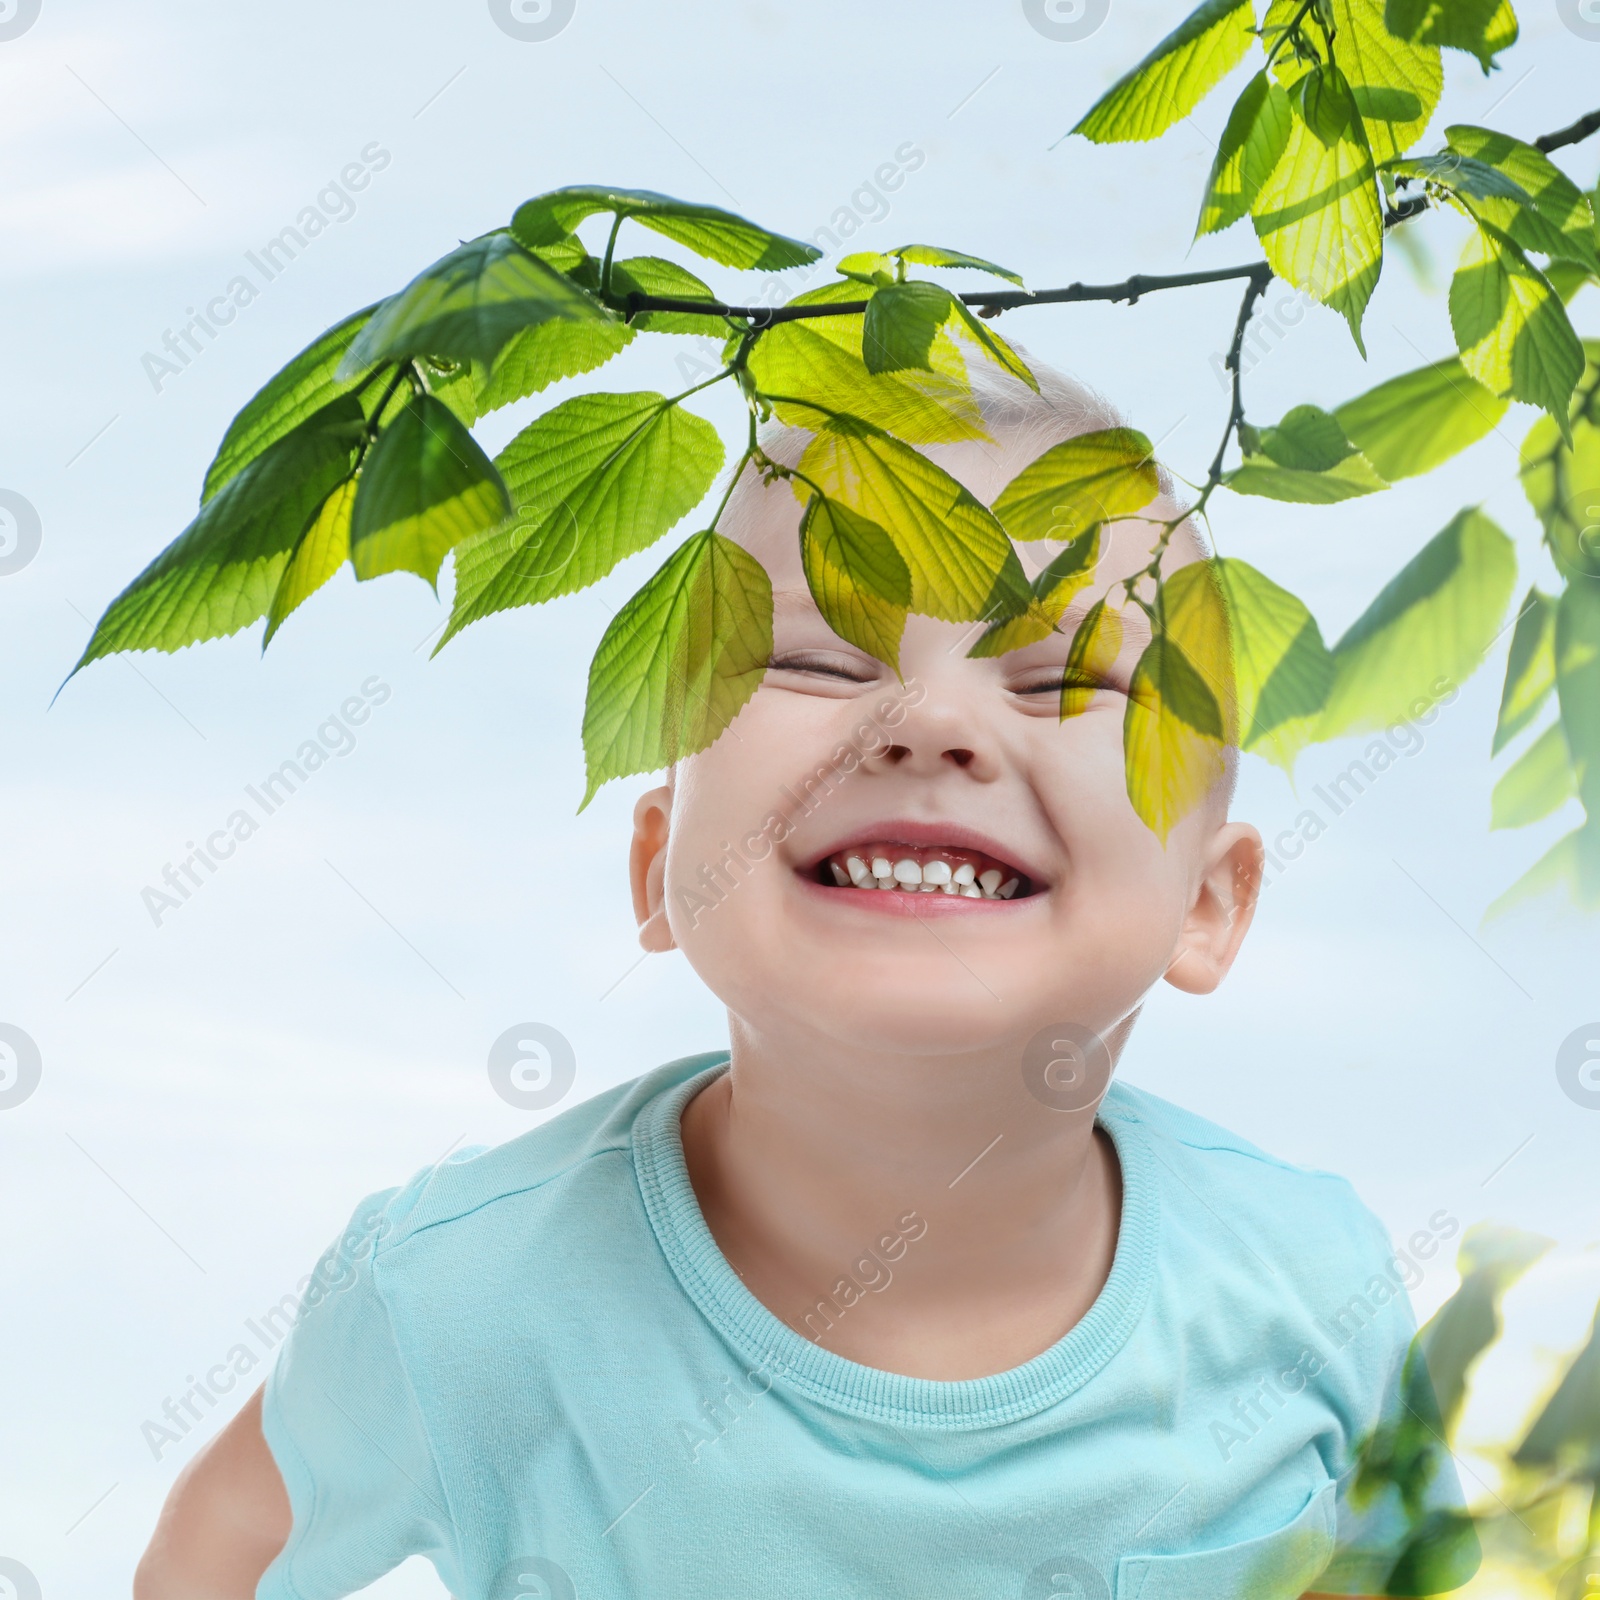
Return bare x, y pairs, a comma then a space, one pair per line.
908, 1299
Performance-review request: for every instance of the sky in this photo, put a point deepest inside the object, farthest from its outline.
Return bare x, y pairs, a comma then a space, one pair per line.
216, 1091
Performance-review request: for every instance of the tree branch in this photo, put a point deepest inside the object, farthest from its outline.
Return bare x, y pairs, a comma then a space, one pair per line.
1579, 131
1258, 287
987, 303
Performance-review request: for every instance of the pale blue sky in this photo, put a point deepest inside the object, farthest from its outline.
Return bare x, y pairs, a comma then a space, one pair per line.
314, 1023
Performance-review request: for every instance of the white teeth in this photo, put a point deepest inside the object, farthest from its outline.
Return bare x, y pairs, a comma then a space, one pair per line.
881, 867
989, 881
971, 891
840, 876
927, 888
907, 871
949, 888
964, 874
857, 868
1007, 889
936, 872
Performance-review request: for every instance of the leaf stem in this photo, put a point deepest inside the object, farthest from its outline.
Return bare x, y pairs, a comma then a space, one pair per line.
605, 266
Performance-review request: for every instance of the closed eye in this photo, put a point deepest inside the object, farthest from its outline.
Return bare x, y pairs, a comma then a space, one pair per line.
825, 664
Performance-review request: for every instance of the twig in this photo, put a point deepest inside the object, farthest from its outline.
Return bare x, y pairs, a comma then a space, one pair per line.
1579, 131
1130, 290
1258, 287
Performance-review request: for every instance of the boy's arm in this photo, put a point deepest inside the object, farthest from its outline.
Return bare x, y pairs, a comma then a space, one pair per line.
225, 1519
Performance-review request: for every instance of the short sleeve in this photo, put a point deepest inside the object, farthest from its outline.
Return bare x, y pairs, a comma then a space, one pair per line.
343, 1425
1401, 1518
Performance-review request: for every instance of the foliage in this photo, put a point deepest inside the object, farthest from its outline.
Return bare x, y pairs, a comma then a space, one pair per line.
361, 448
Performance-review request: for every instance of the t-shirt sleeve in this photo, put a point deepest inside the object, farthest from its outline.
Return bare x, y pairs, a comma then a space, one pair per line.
1401, 1515
343, 1425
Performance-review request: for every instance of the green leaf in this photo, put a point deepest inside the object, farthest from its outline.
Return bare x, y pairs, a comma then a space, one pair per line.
932, 255
1252, 143
1530, 668
1561, 221
1412, 423
1090, 478
1175, 77
598, 478
902, 322
1570, 866
1539, 781
707, 230
962, 566
539, 356
304, 386
1566, 1433
1395, 85
1071, 570
1562, 481
1510, 325
1308, 439
426, 485
679, 661
812, 369
324, 548
221, 573
1282, 670
993, 346
857, 577
654, 275
1577, 648
1318, 215
1427, 630
1261, 475
469, 304
1468, 179
1483, 28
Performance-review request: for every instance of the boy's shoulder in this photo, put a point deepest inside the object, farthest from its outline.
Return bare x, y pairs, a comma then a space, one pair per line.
469, 1181
1213, 1169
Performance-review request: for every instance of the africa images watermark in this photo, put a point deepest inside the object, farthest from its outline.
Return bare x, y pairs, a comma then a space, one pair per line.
1252, 1412
334, 737
717, 880
335, 1272
334, 203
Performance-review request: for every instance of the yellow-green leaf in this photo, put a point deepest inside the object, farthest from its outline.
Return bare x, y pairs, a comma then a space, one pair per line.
1562, 480
1173, 741
933, 255
962, 566
1318, 215
1175, 77
1282, 670
1530, 667
1560, 220
1577, 647
678, 662
1570, 866
1483, 28
1540, 781
594, 480
321, 552
1410, 424
1426, 632
1395, 84
1252, 142
1071, 570
1348, 480
812, 369
425, 486
1090, 658
1510, 325
1090, 478
857, 577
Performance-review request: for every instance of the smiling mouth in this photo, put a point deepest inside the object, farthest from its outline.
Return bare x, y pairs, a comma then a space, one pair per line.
884, 865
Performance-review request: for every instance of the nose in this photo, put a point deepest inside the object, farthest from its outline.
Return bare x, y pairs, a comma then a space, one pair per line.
941, 733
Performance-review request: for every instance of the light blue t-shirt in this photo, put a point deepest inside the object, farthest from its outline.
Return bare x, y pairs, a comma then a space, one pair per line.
533, 1365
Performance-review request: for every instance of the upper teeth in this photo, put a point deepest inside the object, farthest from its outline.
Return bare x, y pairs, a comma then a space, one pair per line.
909, 875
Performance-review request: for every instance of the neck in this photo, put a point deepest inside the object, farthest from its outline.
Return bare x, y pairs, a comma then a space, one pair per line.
971, 1223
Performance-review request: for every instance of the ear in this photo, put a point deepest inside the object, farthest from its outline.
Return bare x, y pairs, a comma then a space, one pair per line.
647, 868
1220, 915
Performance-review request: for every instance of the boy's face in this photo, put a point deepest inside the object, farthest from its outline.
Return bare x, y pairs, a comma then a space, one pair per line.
965, 770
